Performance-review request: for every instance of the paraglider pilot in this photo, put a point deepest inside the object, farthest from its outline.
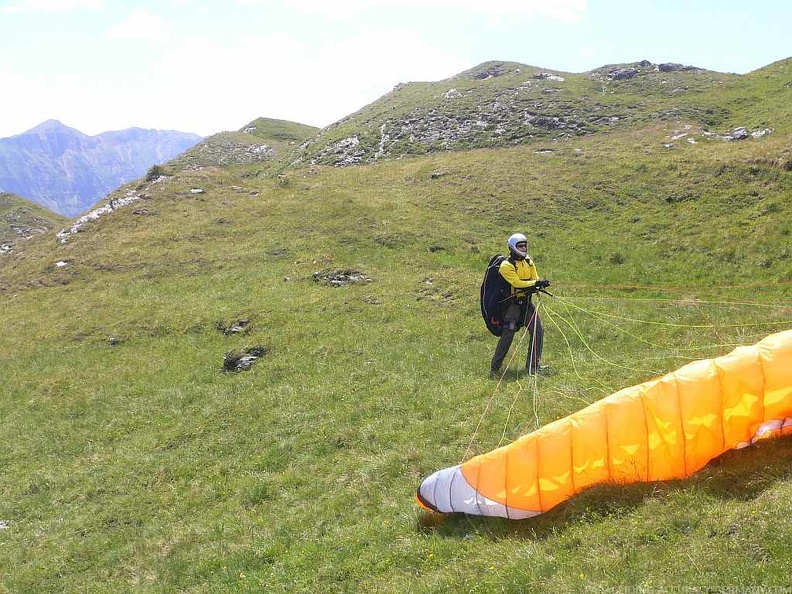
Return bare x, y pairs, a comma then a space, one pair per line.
517, 310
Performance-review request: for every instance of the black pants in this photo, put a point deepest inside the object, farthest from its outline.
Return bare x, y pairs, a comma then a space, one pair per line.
511, 323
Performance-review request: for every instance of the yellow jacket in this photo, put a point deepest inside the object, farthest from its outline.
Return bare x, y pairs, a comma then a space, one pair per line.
520, 274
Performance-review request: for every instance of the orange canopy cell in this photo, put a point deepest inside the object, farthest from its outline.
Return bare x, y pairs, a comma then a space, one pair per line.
666, 428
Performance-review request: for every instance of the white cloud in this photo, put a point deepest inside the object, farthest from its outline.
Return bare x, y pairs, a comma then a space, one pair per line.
51, 5
223, 86
563, 10
31, 103
385, 58
139, 25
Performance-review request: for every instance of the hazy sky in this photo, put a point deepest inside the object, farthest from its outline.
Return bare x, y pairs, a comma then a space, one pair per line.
205, 66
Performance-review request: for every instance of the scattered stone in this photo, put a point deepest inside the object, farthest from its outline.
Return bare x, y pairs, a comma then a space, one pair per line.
548, 76
236, 327
235, 361
737, 134
97, 213
113, 341
742, 133
6, 248
623, 73
24, 231
671, 67
491, 72
61, 264
197, 191
490, 123
348, 149
341, 278
4, 524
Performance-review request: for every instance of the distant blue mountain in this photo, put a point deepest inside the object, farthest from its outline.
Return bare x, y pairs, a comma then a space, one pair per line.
68, 172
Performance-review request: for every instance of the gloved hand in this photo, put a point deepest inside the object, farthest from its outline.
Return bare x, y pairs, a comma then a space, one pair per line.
542, 284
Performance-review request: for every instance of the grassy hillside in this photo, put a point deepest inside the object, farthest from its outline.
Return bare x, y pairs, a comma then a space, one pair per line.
134, 463
21, 219
265, 141
501, 104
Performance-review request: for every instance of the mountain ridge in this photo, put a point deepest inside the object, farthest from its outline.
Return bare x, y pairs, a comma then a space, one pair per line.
68, 171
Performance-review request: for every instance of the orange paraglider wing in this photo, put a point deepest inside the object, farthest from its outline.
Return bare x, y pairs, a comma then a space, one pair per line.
663, 429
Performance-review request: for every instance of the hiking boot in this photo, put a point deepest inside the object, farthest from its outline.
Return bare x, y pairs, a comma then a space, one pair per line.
494, 374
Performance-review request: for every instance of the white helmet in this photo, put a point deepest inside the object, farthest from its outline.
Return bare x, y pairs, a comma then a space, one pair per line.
519, 254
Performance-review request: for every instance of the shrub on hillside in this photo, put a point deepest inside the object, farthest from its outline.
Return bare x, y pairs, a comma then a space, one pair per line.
154, 172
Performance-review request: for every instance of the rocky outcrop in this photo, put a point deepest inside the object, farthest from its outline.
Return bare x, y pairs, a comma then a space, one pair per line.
264, 140
120, 199
226, 148
21, 219
500, 104
97, 213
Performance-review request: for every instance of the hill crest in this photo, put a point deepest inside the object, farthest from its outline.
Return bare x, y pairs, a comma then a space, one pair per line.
502, 103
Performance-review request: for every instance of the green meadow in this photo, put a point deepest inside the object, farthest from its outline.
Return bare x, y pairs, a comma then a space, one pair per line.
133, 462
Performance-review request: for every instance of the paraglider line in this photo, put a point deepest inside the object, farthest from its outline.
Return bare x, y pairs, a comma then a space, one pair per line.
552, 316
492, 396
533, 379
535, 383
571, 323
667, 324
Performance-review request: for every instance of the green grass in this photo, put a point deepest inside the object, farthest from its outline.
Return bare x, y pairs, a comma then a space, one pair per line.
133, 463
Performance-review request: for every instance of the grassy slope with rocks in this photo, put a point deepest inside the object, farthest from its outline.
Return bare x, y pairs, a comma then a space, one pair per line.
264, 140
499, 104
21, 219
134, 463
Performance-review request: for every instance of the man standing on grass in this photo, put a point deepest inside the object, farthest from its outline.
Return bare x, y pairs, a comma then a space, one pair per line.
519, 271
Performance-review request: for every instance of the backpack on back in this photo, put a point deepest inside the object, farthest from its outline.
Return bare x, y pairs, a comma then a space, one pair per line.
494, 291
